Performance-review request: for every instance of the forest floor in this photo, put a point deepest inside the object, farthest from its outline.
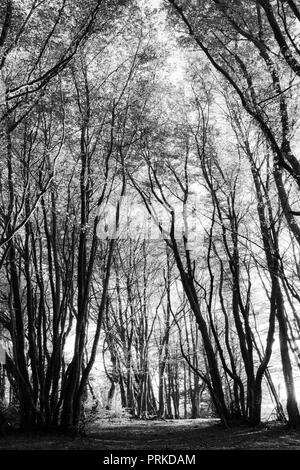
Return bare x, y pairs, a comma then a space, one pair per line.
199, 434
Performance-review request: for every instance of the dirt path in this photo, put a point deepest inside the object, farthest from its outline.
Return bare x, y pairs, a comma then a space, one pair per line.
162, 435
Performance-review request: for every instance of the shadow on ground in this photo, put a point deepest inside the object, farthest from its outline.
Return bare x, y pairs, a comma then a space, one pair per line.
162, 435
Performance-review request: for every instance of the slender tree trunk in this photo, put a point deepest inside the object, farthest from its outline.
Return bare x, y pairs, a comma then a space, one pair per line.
292, 407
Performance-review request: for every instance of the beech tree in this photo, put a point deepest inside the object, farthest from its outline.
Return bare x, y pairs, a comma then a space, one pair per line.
247, 29
32, 55
265, 34
50, 264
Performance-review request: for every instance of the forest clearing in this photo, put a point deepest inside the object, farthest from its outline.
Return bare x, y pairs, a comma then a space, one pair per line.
149, 224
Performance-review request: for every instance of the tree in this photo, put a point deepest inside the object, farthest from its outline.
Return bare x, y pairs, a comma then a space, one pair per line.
255, 30
51, 263
248, 32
